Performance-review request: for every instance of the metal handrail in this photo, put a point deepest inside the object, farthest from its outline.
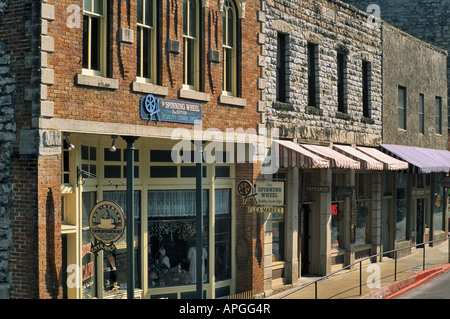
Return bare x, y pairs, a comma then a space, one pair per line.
360, 267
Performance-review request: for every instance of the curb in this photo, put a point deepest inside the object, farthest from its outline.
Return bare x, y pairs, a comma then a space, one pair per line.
397, 289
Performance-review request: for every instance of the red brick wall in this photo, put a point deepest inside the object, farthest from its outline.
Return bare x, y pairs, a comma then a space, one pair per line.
16, 32
49, 226
121, 106
249, 237
35, 219
23, 257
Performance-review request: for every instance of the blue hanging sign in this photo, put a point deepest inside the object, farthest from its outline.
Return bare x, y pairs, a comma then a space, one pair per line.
154, 109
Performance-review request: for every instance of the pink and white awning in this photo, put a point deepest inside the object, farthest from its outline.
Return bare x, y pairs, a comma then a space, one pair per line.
390, 163
293, 155
366, 161
336, 159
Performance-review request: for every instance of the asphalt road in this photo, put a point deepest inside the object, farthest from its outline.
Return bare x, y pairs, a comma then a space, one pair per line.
436, 288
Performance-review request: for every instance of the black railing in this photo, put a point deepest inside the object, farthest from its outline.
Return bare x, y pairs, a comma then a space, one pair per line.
360, 261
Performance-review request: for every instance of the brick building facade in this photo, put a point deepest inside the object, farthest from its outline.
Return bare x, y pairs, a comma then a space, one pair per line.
73, 74
82, 83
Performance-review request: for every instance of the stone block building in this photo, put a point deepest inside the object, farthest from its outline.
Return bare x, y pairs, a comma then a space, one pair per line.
332, 77
323, 70
426, 20
84, 84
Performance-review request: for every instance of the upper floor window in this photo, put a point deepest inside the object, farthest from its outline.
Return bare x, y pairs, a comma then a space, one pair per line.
229, 48
341, 82
438, 115
191, 26
94, 37
146, 41
312, 76
421, 113
402, 107
281, 68
365, 88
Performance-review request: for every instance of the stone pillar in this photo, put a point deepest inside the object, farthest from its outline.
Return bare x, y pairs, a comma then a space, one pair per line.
291, 220
325, 223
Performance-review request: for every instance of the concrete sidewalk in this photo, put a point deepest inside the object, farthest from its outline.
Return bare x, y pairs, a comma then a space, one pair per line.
346, 284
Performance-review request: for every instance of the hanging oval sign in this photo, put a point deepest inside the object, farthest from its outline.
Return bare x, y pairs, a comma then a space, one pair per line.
107, 223
445, 182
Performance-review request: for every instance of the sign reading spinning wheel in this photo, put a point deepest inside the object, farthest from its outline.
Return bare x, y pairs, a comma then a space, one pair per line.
107, 224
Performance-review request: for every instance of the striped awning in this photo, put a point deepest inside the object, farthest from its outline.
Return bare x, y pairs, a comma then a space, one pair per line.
390, 163
366, 161
336, 159
423, 160
293, 155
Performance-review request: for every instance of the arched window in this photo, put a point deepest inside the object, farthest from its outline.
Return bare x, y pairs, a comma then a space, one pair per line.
229, 21
146, 41
191, 28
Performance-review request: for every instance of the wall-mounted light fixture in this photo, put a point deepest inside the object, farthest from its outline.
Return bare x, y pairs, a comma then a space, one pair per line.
113, 145
69, 145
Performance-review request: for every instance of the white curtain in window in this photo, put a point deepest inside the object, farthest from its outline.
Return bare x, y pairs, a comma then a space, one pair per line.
120, 197
174, 203
222, 201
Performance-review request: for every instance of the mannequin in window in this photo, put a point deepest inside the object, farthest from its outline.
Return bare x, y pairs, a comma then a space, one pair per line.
192, 256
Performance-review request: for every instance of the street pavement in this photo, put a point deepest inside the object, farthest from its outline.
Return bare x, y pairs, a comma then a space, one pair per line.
377, 278
436, 288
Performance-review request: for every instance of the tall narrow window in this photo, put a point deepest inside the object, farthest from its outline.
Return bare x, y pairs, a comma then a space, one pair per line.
281, 68
146, 40
341, 82
191, 44
438, 115
421, 113
402, 107
94, 37
365, 88
229, 48
312, 68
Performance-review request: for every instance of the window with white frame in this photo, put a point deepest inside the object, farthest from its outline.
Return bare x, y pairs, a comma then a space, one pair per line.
191, 28
229, 48
94, 37
146, 41
402, 107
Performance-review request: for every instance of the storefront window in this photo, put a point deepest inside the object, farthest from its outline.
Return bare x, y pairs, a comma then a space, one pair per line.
172, 237
89, 269
439, 203
363, 201
115, 263
277, 239
337, 220
222, 249
340, 192
401, 207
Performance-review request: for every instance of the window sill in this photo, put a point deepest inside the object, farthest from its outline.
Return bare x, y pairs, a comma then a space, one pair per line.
232, 100
194, 95
97, 81
149, 88
367, 120
343, 116
313, 110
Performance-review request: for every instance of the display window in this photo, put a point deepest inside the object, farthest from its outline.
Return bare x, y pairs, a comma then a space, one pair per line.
172, 237
439, 204
363, 206
401, 207
338, 206
164, 223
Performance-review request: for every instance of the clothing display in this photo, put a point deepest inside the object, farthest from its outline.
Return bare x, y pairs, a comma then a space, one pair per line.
192, 256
